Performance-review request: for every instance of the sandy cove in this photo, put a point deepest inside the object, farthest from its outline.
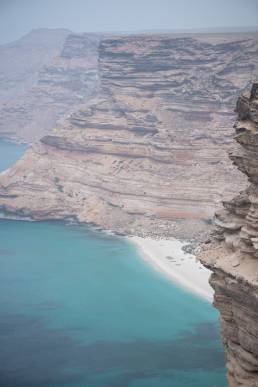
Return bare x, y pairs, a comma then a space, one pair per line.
183, 268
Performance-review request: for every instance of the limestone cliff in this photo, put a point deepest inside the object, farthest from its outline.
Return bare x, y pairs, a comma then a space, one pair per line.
38, 94
145, 155
233, 255
22, 59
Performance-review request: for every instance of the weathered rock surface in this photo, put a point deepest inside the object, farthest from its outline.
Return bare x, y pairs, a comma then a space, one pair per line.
233, 255
51, 72
21, 60
145, 155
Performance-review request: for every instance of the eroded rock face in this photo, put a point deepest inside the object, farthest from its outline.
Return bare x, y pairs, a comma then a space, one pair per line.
233, 255
21, 60
64, 74
145, 155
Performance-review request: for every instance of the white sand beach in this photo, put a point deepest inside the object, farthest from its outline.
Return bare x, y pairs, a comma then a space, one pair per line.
181, 267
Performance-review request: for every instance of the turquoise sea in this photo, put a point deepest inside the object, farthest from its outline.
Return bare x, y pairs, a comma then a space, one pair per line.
80, 308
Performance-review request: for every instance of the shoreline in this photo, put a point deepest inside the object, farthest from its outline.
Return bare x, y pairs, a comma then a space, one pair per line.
165, 255
168, 257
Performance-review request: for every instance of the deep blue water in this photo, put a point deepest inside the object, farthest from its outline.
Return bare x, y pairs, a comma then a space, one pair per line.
79, 308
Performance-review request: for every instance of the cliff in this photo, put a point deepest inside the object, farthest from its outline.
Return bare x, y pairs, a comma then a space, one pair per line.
45, 76
21, 60
232, 254
145, 154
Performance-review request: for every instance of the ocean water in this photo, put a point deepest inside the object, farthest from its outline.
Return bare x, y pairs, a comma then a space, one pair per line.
80, 308
9, 153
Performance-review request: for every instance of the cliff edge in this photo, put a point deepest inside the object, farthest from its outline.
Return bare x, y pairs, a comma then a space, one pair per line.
232, 254
44, 77
144, 155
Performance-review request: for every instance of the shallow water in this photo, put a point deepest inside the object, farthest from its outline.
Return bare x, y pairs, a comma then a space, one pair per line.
80, 308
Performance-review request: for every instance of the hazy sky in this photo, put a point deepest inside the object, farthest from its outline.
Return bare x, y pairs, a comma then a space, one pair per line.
17, 17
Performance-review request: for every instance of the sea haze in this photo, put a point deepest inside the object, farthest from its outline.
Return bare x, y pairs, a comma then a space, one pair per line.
79, 307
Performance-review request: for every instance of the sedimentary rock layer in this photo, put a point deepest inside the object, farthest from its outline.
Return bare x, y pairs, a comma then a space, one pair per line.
233, 255
21, 60
145, 155
59, 77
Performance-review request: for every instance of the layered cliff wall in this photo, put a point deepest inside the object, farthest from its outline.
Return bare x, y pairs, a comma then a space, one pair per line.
63, 76
144, 155
232, 255
21, 60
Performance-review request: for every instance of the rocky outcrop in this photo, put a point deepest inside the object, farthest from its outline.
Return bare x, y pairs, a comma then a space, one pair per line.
145, 154
233, 255
22, 60
66, 77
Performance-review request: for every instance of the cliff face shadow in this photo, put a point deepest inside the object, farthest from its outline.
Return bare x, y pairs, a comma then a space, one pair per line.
32, 355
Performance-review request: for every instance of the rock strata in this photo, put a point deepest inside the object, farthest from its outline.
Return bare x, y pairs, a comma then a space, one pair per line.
232, 254
67, 77
21, 60
145, 154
